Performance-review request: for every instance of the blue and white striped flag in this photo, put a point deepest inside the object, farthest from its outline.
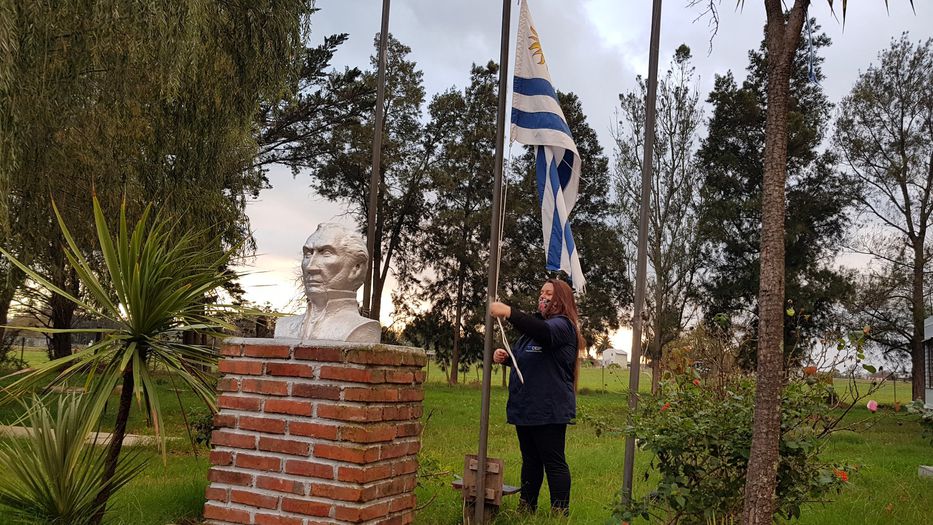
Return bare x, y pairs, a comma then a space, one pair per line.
537, 120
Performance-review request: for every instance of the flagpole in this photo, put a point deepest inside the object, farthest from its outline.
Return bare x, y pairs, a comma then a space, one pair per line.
373, 269
641, 269
493, 277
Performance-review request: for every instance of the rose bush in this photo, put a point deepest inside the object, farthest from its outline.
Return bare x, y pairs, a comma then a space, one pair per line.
700, 435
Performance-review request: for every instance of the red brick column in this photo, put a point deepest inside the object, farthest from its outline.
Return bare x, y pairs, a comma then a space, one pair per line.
315, 433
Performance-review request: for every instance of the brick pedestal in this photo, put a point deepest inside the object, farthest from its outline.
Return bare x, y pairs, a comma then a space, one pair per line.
316, 432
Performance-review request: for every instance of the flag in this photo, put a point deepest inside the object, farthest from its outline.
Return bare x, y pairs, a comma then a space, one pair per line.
537, 120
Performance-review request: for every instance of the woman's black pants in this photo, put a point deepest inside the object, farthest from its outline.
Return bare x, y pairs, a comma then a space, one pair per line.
542, 449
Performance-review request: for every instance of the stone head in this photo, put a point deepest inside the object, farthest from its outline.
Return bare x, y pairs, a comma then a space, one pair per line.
333, 258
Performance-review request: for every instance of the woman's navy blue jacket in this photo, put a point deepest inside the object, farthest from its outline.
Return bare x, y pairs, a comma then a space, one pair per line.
546, 353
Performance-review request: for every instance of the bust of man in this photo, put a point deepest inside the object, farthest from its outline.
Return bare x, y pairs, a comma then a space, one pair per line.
333, 267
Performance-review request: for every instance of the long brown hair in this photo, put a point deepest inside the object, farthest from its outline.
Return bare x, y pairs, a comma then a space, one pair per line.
563, 303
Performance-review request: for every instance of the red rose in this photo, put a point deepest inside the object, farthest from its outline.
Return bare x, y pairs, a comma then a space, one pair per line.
666, 406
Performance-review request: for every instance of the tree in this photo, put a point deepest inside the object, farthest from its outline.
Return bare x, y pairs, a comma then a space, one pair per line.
782, 36
885, 135
883, 303
817, 199
342, 173
673, 243
298, 128
609, 289
157, 277
446, 270
151, 105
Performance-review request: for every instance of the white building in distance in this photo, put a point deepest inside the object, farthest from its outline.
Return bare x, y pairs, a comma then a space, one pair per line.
615, 356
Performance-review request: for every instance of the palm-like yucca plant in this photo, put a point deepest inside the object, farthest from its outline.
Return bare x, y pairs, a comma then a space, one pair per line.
56, 475
157, 280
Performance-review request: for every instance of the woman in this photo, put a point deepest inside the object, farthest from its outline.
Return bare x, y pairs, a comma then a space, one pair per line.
542, 407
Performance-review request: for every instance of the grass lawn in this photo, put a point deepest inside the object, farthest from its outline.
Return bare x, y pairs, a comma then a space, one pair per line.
32, 355
885, 490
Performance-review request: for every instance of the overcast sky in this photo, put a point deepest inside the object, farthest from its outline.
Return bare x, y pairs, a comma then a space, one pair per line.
595, 48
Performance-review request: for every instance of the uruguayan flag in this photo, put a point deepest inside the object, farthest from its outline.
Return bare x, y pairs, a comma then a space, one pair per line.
537, 120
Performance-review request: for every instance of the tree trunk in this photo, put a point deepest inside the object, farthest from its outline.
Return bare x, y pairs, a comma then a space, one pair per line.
656, 353
6, 297
761, 478
655, 375
455, 353
376, 263
116, 443
375, 305
61, 315
917, 359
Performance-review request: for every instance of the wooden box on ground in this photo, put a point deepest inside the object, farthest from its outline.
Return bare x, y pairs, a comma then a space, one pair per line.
315, 432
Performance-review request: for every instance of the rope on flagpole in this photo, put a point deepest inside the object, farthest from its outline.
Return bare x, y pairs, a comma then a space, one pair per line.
505, 192
509, 350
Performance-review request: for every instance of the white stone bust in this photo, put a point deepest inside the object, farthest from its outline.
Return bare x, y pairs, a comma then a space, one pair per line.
333, 267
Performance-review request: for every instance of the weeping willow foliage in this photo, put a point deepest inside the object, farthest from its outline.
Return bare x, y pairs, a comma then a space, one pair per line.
7, 49
149, 100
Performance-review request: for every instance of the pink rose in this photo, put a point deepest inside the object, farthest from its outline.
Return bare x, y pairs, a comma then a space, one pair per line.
872, 406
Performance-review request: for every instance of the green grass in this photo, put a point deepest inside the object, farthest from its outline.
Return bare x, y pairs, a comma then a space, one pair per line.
885, 489
613, 380
32, 355
887, 449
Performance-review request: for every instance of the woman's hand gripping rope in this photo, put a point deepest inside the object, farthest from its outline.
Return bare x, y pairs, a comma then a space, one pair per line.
500, 310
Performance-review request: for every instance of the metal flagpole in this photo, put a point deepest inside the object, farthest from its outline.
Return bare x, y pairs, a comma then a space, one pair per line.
374, 179
641, 268
493, 280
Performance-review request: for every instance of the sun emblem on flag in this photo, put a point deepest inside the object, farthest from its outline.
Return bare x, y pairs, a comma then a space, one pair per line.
535, 46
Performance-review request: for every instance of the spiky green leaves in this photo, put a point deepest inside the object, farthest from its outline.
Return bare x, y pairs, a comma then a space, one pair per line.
55, 474
157, 283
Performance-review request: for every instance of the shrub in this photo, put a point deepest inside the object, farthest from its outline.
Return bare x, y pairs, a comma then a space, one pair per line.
700, 435
926, 417
56, 475
9, 361
202, 426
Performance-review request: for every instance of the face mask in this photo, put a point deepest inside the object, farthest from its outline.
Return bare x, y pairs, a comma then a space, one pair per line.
543, 305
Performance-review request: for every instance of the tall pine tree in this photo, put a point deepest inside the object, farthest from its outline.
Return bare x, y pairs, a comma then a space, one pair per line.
448, 268
817, 199
342, 171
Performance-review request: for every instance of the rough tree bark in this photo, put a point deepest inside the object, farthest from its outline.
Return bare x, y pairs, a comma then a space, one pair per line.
116, 441
917, 359
782, 36
61, 314
7, 291
455, 353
